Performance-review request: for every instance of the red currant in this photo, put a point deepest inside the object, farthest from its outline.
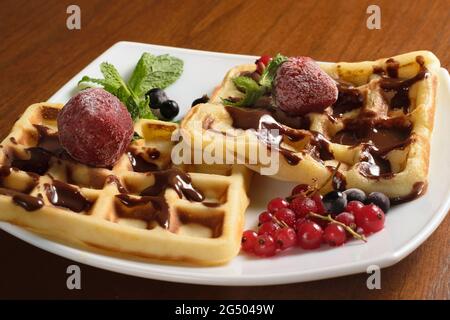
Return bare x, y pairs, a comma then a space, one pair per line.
303, 205
347, 218
334, 235
319, 204
299, 189
248, 240
354, 207
268, 228
265, 246
370, 219
309, 235
277, 203
264, 59
286, 215
299, 222
285, 238
265, 217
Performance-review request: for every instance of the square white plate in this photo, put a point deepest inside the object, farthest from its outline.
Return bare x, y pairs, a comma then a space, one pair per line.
406, 227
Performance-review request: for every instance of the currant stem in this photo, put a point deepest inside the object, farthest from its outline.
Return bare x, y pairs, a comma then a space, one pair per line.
347, 228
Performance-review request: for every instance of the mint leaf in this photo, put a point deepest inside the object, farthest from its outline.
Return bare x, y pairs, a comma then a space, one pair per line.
155, 72
253, 91
270, 71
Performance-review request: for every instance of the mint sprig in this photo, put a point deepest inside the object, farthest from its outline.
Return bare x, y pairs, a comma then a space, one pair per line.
150, 72
254, 90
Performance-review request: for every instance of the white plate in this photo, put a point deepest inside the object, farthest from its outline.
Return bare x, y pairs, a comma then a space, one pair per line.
407, 226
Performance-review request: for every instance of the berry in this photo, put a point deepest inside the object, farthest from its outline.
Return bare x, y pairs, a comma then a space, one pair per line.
335, 202
202, 99
265, 246
319, 203
265, 217
277, 203
95, 128
299, 188
286, 215
303, 205
268, 228
157, 97
334, 235
346, 218
285, 238
379, 199
248, 240
354, 207
309, 235
264, 59
370, 219
169, 109
301, 86
355, 194
299, 222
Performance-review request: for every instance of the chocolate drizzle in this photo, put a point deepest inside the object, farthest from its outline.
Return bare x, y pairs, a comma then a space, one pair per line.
147, 208
64, 195
175, 179
139, 163
418, 189
397, 90
268, 130
23, 200
349, 98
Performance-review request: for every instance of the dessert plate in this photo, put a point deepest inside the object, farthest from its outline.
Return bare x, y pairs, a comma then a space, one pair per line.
406, 227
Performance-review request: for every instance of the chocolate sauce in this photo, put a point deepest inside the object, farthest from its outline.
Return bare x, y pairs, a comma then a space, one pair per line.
147, 208
49, 141
175, 179
321, 147
383, 138
392, 67
265, 125
13, 140
37, 163
111, 179
202, 99
397, 90
23, 200
64, 195
49, 113
349, 98
213, 222
139, 164
418, 189
339, 183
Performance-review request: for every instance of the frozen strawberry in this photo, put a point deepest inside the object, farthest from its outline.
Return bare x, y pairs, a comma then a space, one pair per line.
95, 128
302, 87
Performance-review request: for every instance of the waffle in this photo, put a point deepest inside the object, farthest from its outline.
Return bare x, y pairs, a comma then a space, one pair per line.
142, 207
376, 137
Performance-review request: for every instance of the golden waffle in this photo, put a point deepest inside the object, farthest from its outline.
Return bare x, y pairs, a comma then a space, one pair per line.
141, 207
379, 130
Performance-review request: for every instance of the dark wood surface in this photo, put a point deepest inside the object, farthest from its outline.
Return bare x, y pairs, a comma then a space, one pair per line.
38, 54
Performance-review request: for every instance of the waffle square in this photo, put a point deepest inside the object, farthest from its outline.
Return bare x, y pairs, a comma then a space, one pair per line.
142, 207
378, 132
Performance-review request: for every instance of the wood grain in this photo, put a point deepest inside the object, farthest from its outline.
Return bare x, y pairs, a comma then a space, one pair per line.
38, 54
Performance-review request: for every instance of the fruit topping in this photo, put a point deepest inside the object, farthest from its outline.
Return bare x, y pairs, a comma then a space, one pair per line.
379, 199
157, 97
300, 87
335, 202
95, 128
306, 220
355, 194
169, 109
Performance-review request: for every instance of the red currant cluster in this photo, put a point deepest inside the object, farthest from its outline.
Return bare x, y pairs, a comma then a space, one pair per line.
307, 219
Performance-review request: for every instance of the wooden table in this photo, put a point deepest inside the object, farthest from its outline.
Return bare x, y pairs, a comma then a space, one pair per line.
38, 54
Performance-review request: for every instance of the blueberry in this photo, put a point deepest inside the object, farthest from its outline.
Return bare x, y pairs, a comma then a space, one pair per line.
202, 99
380, 200
157, 97
335, 202
169, 109
355, 194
